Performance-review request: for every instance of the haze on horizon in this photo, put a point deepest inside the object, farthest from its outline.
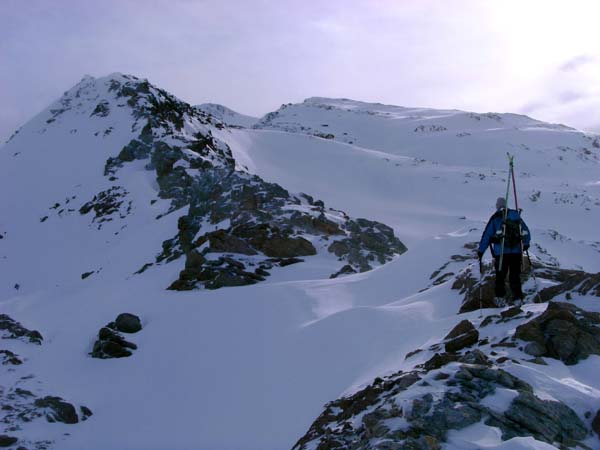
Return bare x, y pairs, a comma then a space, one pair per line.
539, 58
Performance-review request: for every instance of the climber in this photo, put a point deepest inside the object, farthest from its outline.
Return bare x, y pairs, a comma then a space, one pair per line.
507, 236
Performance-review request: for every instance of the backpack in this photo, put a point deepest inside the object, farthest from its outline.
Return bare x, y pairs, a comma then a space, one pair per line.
512, 232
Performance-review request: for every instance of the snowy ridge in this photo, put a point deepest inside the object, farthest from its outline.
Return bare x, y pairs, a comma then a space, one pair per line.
126, 178
227, 116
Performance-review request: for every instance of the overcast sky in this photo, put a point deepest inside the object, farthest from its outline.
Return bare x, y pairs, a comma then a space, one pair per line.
541, 58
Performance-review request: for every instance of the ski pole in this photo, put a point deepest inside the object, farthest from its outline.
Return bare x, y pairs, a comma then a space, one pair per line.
480, 288
534, 277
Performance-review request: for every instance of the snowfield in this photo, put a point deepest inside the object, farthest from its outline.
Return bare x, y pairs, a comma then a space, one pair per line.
251, 367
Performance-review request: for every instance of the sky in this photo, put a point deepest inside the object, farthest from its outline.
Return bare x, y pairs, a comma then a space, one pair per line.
540, 58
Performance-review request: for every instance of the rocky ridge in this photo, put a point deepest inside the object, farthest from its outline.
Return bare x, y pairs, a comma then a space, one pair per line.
239, 227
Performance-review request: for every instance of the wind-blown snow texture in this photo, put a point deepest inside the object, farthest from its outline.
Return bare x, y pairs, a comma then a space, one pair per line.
251, 367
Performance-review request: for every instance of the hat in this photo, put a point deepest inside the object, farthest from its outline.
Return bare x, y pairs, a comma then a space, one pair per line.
500, 203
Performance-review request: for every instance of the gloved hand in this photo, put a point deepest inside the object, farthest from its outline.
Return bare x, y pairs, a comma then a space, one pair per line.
479, 255
525, 248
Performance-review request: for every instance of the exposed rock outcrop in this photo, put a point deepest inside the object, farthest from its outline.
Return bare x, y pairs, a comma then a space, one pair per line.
462, 335
232, 214
387, 415
9, 358
56, 409
22, 406
563, 332
11, 329
7, 441
110, 343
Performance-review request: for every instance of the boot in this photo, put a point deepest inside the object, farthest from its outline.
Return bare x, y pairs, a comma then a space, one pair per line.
500, 302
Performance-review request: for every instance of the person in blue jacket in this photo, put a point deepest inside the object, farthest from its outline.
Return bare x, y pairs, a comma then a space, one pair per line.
516, 240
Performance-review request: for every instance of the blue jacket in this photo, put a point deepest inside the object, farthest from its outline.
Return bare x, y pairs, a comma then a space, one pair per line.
493, 233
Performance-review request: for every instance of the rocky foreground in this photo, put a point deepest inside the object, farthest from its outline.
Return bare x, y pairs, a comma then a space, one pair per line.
468, 379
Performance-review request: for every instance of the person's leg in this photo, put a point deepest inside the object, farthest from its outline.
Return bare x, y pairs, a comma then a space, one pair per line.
514, 278
499, 289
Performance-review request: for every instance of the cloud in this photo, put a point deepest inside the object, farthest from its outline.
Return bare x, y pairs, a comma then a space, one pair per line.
569, 94
254, 55
576, 63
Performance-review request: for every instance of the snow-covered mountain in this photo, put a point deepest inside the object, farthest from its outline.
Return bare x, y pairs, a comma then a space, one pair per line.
228, 116
260, 303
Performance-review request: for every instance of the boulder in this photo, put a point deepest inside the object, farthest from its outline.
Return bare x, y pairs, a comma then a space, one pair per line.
286, 247
222, 242
111, 344
477, 293
11, 329
128, 323
551, 420
194, 260
345, 270
57, 410
596, 423
462, 327
7, 441
563, 332
511, 312
439, 360
462, 335
8, 357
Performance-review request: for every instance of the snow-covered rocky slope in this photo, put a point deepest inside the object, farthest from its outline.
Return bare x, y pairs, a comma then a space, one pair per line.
119, 191
228, 116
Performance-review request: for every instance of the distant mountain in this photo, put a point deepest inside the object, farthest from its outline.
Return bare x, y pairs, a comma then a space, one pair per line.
228, 116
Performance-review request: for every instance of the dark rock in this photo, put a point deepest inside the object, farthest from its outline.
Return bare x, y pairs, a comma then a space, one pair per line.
128, 323
230, 279
14, 330
511, 312
111, 344
461, 328
461, 336
553, 421
108, 205
475, 357
102, 109
7, 441
535, 349
286, 247
222, 242
111, 349
539, 361
57, 410
413, 353
488, 320
439, 360
85, 412
262, 272
563, 332
289, 261
346, 270
9, 357
194, 260
596, 423
86, 274
569, 281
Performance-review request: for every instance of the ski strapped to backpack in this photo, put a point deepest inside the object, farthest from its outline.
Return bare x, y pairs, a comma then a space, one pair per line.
510, 173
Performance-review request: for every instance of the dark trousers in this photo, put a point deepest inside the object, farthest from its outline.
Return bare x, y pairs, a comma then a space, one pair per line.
511, 265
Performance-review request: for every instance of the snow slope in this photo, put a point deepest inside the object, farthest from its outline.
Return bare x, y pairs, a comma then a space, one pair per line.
250, 367
228, 116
